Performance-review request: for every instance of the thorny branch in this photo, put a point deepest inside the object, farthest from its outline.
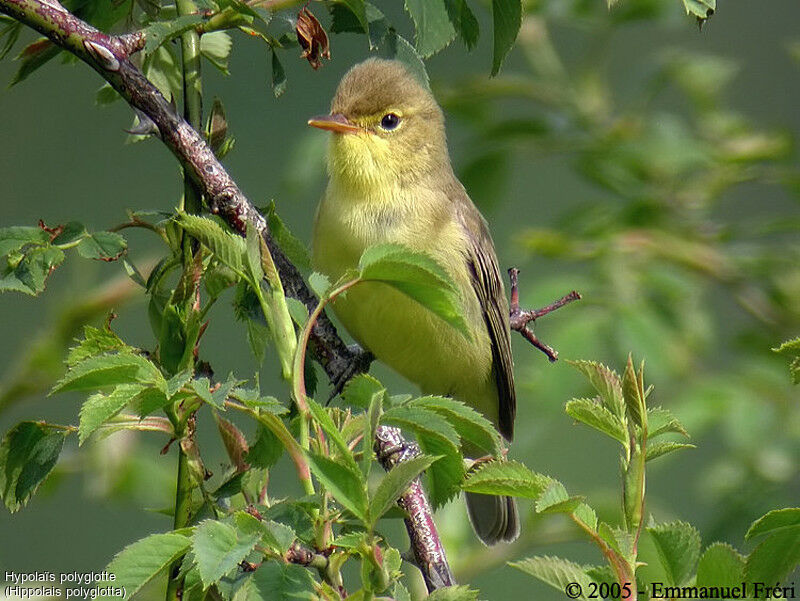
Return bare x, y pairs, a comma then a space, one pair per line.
110, 57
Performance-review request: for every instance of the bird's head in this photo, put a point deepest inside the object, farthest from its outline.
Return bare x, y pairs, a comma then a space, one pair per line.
387, 128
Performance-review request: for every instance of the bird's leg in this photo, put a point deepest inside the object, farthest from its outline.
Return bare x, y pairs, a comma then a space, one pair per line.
519, 319
357, 362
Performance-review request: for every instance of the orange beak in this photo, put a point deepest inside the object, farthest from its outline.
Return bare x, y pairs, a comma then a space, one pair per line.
335, 122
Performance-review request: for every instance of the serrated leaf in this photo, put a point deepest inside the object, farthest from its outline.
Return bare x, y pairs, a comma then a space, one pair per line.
289, 243
394, 483
320, 284
507, 19
28, 453
110, 370
358, 10
15, 237
661, 421
322, 417
557, 572
678, 547
506, 478
99, 408
29, 272
456, 592
598, 417
277, 581
556, 499
149, 400
774, 558
790, 348
606, 382
102, 246
702, 9
138, 563
587, 515
162, 31
464, 22
95, 342
633, 394
416, 275
33, 57
277, 536
372, 417
234, 441
218, 548
227, 247
720, 565
470, 425
777, 519
266, 450
657, 449
432, 26
360, 390
395, 46
345, 484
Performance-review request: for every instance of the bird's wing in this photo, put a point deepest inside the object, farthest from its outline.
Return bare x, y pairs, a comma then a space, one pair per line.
488, 285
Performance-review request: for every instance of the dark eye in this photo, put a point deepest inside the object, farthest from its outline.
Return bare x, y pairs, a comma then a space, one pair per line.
390, 121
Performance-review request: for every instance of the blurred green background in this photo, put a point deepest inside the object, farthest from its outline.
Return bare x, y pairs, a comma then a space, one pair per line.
649, 165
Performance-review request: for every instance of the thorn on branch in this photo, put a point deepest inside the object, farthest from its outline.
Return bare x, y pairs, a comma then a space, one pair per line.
520, 319
102, 55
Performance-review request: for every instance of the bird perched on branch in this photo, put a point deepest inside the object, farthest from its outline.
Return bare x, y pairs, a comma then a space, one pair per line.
391, 182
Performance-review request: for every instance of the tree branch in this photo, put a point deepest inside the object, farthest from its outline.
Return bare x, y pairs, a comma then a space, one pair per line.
110, 57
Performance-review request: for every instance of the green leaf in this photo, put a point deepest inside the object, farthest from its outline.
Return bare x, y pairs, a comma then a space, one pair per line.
110, 370
558, 573
464, 22
138, 563
28, 273
360, 390
777, 519
660, 421
678, 547
394, 483
219, 548
216, 47
289, 243
555, 499
456, 592
95, 342
266, 450
587, 515
161, 68
149, 401
28, 453
720, 565
162, 31
436, 437
278, 537
633, 394
395, 46
334, 435
432, 25
102, 246
359, 11
320, 284
593, 414
702, 9
418, 276
790, 348
470, 425
345, 484
34, 56
607, 384
774, 558
277, 581
99, 408
507, 19
506, 478
278, 76
226, 246
372, 417
657, 449
14, 238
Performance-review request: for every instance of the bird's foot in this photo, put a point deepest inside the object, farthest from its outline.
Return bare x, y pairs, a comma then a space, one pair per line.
519, 319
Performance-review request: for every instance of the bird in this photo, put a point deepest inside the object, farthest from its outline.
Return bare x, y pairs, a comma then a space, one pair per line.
390, 180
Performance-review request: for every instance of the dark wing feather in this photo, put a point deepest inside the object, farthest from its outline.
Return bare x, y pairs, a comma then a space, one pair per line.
488, 285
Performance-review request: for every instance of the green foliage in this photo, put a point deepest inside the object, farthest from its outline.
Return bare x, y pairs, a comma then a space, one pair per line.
140, 562
28, 453
556, 572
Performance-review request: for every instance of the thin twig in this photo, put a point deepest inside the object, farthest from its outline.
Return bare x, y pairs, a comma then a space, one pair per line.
519, 319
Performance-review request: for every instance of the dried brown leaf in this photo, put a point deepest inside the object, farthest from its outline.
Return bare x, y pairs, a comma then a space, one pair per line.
312, 38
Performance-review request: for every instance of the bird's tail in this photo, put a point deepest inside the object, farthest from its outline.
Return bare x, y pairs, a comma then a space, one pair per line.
495, 519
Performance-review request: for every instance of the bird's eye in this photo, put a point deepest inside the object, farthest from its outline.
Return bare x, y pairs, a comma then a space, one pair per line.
390, 121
